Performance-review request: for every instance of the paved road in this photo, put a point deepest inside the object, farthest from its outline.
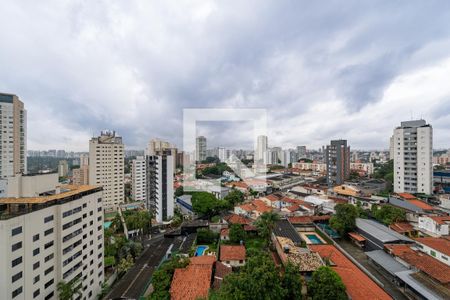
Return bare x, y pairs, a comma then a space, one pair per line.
132, 285
362, 258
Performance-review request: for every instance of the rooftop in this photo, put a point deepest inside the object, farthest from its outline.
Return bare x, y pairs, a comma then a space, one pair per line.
440, 244
285, 229
357, 283
232, 252
237, 219
381, 232
425, 263
401, 227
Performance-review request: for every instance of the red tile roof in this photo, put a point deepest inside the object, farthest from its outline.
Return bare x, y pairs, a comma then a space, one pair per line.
356, 236
440, 244
407, 196
423, 262
307, 219
236, 219
421, 204
260, 206
441, 219
194, 281
247, 207
232, 252
401, 227
221, 271
357, 283
272, 198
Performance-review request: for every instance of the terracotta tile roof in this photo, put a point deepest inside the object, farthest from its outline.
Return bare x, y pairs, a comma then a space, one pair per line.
221, 271
440, 244
232, 252
260, 206
193, 282
236, 219
203, 260
423, 262
307, 219
421, 204
357, 283
338, 200
356, 236
272, 198
401, 227
440, 219
247, 207
407, 196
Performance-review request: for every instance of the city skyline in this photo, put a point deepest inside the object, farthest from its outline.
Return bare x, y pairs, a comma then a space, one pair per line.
338, 71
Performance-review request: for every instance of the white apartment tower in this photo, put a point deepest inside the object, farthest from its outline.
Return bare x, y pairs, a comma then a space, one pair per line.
13, 136
261, 149
159, 188
138, 179
158, 147
413, 153
48, 239
106, 167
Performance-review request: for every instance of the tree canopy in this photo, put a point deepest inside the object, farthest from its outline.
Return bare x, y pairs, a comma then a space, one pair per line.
234, 197
206, 204
237, 233
326, 284
388, 214
345, 218
265, 224
162, 278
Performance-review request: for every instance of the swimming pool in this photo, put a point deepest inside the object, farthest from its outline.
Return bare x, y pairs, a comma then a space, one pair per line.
200, 250
331, 232
314, 238
106, 225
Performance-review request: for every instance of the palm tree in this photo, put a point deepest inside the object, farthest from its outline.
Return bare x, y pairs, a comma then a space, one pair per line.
67, 290
266, 223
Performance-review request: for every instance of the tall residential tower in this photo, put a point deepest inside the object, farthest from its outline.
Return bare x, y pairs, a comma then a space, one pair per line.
13, 136
200, 149
337, 159
413, 154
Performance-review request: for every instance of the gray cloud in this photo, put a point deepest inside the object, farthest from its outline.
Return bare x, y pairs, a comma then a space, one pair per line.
133, 66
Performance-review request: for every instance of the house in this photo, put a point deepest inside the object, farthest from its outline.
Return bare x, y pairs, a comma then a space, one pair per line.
438, 248
358, 285
237, 219
194, 281
232, 255
436, 225
253, 209
404, 228
347, 190
221, 270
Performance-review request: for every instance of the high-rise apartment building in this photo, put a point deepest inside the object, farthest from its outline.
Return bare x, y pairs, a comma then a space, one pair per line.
106, 167
200, 149
13, 136
84, 159
48, 239
159, 193
138, 179
159, 147
301, 152
63, 168
337, 159
413, 154
261, 149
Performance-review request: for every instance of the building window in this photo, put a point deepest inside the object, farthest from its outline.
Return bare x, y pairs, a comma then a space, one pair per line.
16, 231
36, 265
49, 296
36, 279
35, 237
48, 231
17, 292
16, 261
433, 253
36, 293
48, 270
16, 246
17, 277
35, 251
48, 219
49, 283
49, 244
48, 257
444, 257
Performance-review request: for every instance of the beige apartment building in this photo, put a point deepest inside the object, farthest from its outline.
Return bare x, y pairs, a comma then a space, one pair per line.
13, 136
106, 167
48, 239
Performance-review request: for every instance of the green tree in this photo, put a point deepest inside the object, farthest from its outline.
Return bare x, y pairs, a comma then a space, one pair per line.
237, 233
265, 224
345, 218
162, 278
326, 284
292, 282
206, 236
179, 191
234, 197
206, 204
125, 264
67, 290
259, 279
388, 214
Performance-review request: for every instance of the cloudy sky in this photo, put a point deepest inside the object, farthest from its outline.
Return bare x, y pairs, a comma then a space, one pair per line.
322, 69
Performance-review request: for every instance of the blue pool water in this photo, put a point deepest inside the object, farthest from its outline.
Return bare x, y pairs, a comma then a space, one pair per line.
329, 230
200, 250
314, 239
106, 225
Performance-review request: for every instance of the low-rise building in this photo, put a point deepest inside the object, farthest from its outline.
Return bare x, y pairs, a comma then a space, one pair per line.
232, 255
438, 248
436, 225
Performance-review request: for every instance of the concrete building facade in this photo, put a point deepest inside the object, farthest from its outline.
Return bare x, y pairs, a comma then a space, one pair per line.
138, 179
261, 149
337, 159
200, 148
106, 167
48, 239
413, 154
13, 136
